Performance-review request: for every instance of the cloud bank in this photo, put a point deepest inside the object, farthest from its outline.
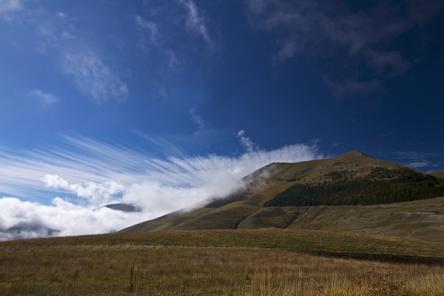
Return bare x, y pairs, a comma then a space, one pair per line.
78, 180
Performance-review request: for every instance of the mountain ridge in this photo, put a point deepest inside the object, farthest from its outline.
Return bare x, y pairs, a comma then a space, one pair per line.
438, 174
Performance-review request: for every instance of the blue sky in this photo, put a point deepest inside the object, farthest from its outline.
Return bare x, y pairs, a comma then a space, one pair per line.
197, 72
190, 78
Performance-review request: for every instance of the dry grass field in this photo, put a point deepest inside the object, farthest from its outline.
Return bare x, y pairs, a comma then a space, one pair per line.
204, 263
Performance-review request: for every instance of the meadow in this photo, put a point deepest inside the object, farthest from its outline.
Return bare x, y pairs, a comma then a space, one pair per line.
230, 262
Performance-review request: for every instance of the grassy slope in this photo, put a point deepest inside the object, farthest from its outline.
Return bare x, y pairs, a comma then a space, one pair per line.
287, 239
423, 219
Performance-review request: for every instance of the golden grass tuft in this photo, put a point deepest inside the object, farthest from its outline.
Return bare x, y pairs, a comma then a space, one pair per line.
382, 281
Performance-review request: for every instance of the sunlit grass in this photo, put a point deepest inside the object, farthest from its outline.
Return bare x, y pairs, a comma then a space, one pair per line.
126, 268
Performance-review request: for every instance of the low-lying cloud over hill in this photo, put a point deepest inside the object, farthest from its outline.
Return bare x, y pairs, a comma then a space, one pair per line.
61, 192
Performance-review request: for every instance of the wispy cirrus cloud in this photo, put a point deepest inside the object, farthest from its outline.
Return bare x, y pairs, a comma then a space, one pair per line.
195, 21
352, 41
352, 86
197, 119
10, 6
422, 161
91, 174
173, 60
425, 161
53, 31
57, 33
43, 97
148, 26
93, 77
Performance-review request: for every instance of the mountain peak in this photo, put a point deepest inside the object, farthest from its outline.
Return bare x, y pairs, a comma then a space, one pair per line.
355, 153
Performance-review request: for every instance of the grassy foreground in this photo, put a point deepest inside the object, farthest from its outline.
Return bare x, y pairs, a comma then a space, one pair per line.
261, 262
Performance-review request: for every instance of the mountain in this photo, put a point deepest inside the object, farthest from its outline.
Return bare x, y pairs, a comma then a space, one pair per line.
123, 207
353, 191
26, 230
439, 174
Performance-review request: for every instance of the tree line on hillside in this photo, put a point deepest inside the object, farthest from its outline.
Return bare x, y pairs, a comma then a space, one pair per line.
380, 187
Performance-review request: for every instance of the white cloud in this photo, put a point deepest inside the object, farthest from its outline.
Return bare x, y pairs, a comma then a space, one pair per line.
93, 77
245, 141
10, 6
98, 173
149, 27
195, 21
43, 97
95, 193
